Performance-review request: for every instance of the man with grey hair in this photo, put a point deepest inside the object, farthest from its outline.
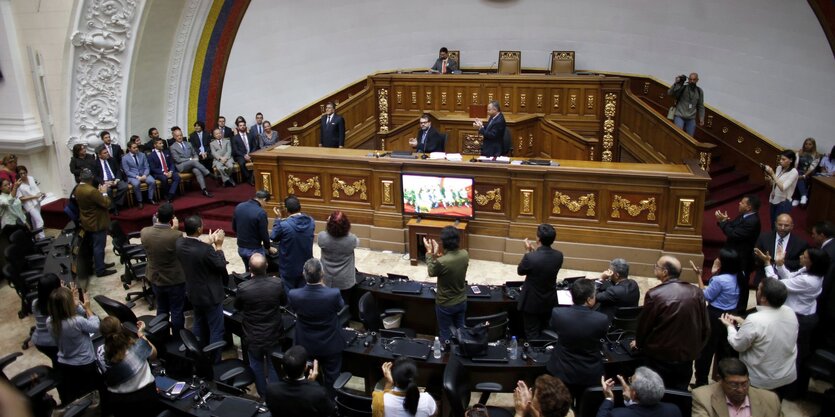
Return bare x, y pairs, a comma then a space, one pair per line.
616, 289
493, 131
317, 320
642, 398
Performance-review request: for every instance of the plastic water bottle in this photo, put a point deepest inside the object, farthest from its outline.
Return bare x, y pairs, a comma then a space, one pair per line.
514, 348
436, 348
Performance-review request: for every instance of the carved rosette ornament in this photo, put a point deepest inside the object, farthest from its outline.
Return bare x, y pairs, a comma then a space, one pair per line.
349, 189
494, 195
574, 206
620, 203
383, 106
609, 110
101, 53
304, 186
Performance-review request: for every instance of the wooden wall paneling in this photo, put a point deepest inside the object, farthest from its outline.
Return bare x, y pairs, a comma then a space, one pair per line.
556, 99
574, 101
591, 102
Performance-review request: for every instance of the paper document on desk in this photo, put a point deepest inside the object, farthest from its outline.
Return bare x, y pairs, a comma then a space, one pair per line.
498, 158
437, 155
453, 157
564, 298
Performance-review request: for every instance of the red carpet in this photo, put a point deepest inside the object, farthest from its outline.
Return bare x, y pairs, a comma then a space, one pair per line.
216, 211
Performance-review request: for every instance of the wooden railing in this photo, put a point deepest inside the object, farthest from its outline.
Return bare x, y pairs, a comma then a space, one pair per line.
314, 110
360, 124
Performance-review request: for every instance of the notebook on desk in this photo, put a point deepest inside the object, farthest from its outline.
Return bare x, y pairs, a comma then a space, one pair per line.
407, 287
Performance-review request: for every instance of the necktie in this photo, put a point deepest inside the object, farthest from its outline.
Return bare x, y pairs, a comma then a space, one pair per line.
200, 137
108, 174
443, 67
136, 161
162, 159
779, 244
260, 130
329, 118
246, 142
110, 150
185, 150
423, 140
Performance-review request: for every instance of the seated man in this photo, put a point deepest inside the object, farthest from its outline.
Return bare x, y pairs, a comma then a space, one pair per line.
185, 158
299, 395
732, 395
163, 168
617, 289
642, 397
444, 64
136, 168
428, 139
109, 173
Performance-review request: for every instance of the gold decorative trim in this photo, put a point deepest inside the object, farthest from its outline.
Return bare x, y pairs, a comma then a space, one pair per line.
530, 140
591, 153
304, 186
704, 160
489, 97
295, 141
383, 106
459, 98
428, 97
725, 129
556, 101
388, 196
510, 54
620, 203
414, 97
295, 123
507, 100
399, 97
494, 195
609, 110
572, 101
685, 206
475, 98
539, 101
574, 205
443, 98
590, 101
709, 121
523, 100
758, 150
526, 207
740, 139
349, 189
646, 87
266, 182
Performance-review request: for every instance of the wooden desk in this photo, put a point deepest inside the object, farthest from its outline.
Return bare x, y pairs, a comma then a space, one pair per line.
821, 201
420, 228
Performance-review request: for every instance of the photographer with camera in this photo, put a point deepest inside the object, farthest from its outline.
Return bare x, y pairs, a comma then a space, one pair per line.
690, 99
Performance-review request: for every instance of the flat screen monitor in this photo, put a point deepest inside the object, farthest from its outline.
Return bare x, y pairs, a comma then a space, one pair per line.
437, 196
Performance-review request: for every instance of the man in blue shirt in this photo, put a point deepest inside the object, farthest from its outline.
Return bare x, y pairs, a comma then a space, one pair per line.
249, 221
294, 235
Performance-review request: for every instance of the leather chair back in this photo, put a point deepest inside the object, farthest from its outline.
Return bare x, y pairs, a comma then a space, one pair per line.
510, 62
456, 55
369, 314
497, 327
116, 309
562, 62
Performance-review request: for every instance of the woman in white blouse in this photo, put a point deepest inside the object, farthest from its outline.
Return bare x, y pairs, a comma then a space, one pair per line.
31, 196
783, 182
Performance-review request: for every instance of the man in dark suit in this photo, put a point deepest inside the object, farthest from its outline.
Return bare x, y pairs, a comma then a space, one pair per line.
741, 235
200, 140
644, 396
242, 144
299, 396
153, 135
539, 294
444, 64
428, 139
791, 243
226, 130
617, 290
317, 322
92, 206
113, 149
332, 128
823, 233
204, 266
576, 358
109, 173
163, 168
493, 131
258, 128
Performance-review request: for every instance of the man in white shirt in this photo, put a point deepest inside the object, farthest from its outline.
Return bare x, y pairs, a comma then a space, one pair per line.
767, 340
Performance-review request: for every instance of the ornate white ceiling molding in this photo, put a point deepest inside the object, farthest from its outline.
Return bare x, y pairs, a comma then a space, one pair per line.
182, 62
100, 59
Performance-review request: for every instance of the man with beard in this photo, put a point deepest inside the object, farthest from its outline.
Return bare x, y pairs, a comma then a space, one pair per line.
690, 100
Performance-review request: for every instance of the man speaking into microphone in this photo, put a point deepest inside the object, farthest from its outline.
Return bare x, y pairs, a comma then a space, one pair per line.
428, 139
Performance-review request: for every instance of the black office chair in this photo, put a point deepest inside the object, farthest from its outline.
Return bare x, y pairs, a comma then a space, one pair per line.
125, 250
625, 320
24, 282
507, 143
135, 272
822, 367
589, 402
681, 399
497, 325
457, 390
156, 327
372, 319
233, 373
34, 383
350, 403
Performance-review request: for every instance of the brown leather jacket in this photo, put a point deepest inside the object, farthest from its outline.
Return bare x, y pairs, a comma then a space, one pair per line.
674, 323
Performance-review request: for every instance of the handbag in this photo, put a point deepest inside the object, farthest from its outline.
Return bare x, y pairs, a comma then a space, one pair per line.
671, 113
472, 341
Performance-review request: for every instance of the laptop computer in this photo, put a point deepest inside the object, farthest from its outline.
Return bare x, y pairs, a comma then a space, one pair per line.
407, 287
495, 354
410, 349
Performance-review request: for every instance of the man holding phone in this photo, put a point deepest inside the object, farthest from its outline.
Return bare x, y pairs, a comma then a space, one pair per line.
164, 270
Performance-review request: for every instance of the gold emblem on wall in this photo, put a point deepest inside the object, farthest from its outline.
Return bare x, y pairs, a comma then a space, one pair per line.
399, 97
572, 101
574, 206
304, 186
388, 197
591, 153
609, 110
620, 203
459, 97
507, 100
475, 98
428, 97
685, 207
295, 141
523, 100
526, 206
539, 101
704, 160
494, 195
740, 139
349, 189
266, 182
709, 121
590, 101
490, 96
383, 106
472, 144
443, 98
414, 97
646, 87
758, 150
556, 101
725, 129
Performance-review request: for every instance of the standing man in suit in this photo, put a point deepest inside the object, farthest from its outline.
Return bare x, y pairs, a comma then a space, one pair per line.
257, 129
199, 140
332, 128
204, 266
226, 130
185, 159
249, 222
317, 322
576, 358
299, 395
823, 233
136, 168
242, 145
741, 235
153, 135
222, 157
163, 168
782, 238
164, 269
113, 149
616, 290
733, 394
493, 131
428, 139
444, 64
109, 173
539, 294
93, 204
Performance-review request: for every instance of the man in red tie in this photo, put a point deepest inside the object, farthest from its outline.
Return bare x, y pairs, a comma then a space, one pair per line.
163, 168
444, 64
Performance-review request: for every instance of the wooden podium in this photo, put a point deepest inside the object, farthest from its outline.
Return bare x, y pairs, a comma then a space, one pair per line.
420, 228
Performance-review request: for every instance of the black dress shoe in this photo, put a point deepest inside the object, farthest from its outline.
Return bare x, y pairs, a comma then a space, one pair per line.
140, 206
207, 193
109, 265
105, 273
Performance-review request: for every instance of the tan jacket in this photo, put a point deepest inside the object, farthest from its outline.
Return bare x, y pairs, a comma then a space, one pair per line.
709, 401
160, 243
92, 207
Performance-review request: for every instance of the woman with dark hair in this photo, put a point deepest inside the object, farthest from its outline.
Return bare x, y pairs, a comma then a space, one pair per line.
130, 383
71, 323
11, 208
41, 337
337, 244
827, 164
548, 398
9, 169
80, 160
783, 182
401, 395
722, 295
450, 266
269, 137
30, 196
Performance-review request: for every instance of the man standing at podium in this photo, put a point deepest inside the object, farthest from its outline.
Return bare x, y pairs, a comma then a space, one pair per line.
444, 64
428, 139
493, 131
332, 131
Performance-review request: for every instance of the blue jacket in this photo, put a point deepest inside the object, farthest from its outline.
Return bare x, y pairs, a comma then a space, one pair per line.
317, 323
294, 235
249, 222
